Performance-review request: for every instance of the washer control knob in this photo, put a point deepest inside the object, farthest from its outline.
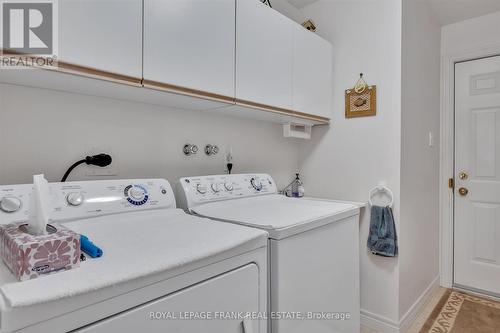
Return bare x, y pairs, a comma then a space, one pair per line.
201, 189
228, 186
215, 187
256, 183
10, 204
74, 199
136, 193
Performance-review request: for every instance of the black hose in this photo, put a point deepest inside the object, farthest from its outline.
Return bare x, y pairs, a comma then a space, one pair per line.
100, 160
71, 169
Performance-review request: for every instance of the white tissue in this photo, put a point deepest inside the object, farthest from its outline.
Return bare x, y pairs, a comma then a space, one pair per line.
40, 206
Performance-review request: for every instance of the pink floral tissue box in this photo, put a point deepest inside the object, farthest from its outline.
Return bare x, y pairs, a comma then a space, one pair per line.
29, 256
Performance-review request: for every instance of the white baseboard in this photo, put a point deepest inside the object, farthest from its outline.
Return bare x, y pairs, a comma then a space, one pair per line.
385, 325
378, 323
412, 313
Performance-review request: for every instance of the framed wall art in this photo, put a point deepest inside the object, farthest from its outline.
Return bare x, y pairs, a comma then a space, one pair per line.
361, 101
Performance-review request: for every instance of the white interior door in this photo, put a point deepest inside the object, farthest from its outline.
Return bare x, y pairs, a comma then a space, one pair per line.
477, 174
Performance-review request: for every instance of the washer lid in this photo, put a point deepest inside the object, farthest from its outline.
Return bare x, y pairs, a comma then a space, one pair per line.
279, 215
136, 246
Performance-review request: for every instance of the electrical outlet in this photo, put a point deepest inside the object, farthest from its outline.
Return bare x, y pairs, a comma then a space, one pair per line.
95, 171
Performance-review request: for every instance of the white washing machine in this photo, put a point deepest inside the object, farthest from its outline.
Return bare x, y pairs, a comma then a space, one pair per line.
162, 269
313, 248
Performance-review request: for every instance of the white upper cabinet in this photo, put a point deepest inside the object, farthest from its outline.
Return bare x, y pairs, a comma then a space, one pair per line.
190, 44
193, 54
102, 34
312, 73
264, 50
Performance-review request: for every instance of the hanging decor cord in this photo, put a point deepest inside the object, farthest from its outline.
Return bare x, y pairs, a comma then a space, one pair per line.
361, 85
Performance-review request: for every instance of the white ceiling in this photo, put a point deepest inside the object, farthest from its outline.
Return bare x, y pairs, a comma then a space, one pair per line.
447, 11
450, 11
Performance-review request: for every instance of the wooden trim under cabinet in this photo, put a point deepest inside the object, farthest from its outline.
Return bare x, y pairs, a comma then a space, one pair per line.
320, 119
186, 91
283, 111
70, 68
222, 98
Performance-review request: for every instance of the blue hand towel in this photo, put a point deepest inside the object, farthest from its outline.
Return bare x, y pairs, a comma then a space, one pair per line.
382, 239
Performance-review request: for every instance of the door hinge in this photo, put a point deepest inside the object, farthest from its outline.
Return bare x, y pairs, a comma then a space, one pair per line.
451, 183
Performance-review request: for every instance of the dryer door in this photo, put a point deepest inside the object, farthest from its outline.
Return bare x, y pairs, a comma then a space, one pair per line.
209, 306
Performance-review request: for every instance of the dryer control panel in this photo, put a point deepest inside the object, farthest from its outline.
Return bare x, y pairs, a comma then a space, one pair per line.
79, 200
201, 189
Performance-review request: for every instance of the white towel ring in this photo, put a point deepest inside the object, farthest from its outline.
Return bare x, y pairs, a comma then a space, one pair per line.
381, 188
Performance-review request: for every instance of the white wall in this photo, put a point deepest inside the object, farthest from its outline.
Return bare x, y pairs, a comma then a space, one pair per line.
351, 156
419, 232
469, 35
44, 131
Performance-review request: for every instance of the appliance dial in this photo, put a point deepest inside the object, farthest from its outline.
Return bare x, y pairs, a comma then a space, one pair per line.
10, 204
201, 189
74, 199
256, 183
228, 186
136, 193
215, 187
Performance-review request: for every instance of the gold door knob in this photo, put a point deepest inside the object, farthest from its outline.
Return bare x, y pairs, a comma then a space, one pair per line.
463, 191
463, 176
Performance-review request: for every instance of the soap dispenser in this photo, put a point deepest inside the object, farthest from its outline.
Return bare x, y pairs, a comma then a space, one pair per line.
297, 187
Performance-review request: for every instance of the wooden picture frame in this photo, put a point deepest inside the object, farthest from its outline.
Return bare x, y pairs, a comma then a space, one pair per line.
362, 104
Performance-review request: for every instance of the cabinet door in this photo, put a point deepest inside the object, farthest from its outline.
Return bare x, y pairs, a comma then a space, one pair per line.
312, 73
264, 47
102, 34
190, 44
215, 299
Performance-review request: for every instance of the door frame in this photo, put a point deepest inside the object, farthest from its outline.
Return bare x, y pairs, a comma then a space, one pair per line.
447, 153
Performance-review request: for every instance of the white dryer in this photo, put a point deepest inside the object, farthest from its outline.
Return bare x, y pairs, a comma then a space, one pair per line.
313, 248
162, 269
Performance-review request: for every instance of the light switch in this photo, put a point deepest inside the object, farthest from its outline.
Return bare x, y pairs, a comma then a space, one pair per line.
431, 139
